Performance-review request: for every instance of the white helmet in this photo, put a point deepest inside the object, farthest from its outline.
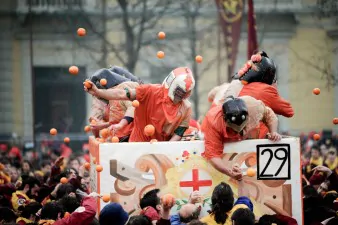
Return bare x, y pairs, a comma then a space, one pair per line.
179, 83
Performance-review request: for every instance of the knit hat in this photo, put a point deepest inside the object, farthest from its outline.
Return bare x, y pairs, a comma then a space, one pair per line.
113, 213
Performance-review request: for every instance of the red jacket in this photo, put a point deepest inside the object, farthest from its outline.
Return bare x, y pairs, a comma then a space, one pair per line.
81, 218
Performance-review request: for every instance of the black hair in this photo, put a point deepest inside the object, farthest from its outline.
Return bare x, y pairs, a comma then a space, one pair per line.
69, 204
315, 147
52, 211
31, 182
64, 190
197, 222
7, 215
139, 220
29, 163
243, 216
45, 162
310, 191
222, 201
333, 221
150, 199
30, 209
268, 220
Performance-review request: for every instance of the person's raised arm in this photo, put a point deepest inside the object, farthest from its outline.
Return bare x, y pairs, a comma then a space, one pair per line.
271, 121
111, 94
214, 150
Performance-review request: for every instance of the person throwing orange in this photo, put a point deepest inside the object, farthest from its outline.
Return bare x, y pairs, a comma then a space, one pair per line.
165, 106
235, 120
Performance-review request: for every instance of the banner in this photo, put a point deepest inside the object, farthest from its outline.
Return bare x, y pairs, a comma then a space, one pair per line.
252, 31
132, 169
231, 12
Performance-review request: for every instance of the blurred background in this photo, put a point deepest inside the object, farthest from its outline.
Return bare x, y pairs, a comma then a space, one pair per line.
38, 43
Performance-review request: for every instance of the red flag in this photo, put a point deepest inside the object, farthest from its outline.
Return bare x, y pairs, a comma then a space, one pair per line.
231, 12
252, 35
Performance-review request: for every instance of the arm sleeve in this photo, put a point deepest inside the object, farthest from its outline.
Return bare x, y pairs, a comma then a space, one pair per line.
213, 141
97, 111
245, 201
279, 105
79, 218
180, 131
142, 91
175, 219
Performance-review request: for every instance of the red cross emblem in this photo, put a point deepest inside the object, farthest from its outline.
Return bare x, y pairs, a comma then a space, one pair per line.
196, 183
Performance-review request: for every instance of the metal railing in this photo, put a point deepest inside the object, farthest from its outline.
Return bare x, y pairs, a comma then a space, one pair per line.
54, 6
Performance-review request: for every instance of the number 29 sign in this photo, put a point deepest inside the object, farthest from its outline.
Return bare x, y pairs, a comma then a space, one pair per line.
273, 162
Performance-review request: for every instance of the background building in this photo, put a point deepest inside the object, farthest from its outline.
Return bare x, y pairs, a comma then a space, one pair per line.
38, 43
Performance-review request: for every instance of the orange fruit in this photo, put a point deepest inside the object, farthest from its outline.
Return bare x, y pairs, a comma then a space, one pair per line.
316, 91
2, 166
104, 133
66, 140
160, 54
153, 140
73, 70
81, 32
63, 180
168, 200
94, 160
115, 139
103, 82
87, 84
87, 166
149, 130
161, 35
136, 103
53, 131
87, 128
99, 168
316, 137
102, 140
199, 59
244, 82
251, 172
335, 121
106, 198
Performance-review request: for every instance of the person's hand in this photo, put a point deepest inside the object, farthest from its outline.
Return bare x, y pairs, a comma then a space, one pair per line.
236, 173
81, 171
195, 197
18, 183
274, 136
98, 126
323, 169
115, 127
55, 190
94, 195
93, 90
59, 161
26, 189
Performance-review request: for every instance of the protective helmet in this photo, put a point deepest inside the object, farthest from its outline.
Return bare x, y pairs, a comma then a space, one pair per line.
259, 69
179, 83
235, 113
113, 79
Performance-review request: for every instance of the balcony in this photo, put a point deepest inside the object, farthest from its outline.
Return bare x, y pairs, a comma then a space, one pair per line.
55, 6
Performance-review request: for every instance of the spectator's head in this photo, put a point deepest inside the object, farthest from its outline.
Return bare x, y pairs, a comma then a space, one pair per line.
69, 203
26, 167
268, 220
64, 190
52, 211
139, 220
71, 173
33, 184
151, 198
7, 215
29, 211
14, 174
189, 212
46, 166
315, 153
328, 199
332, 155
243, 217
323, 150
222, 200
113, 213
74, 163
